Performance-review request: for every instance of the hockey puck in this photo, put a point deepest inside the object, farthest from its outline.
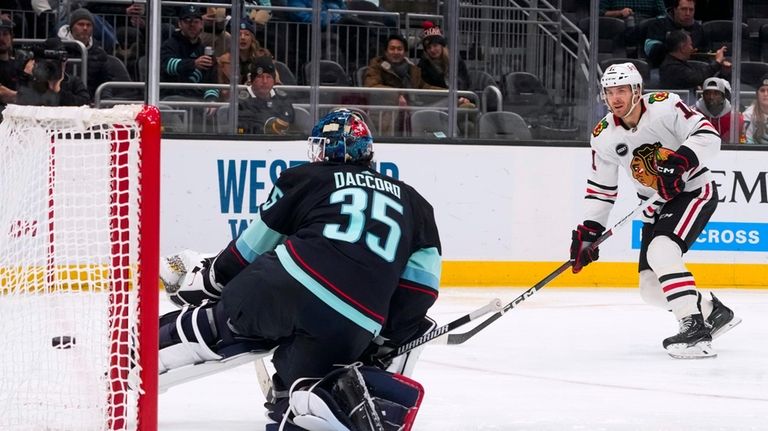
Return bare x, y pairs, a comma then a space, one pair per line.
63, 342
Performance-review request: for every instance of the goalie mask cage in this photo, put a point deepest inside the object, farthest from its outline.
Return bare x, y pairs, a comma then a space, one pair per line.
79, 253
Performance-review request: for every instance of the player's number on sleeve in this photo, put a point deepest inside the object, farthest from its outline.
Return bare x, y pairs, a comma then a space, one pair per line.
355, 210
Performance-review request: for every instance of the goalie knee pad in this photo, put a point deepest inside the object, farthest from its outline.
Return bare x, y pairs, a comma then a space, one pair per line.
356, 398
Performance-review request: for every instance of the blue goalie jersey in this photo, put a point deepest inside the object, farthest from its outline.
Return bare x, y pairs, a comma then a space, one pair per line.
365, 244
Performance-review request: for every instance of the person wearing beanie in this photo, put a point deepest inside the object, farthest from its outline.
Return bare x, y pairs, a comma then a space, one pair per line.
101, 68
249, 49
263, 109
434, 61
715, 105
394, 70
756, 115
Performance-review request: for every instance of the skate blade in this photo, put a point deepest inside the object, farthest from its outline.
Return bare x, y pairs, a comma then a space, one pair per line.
700, 350
727, 327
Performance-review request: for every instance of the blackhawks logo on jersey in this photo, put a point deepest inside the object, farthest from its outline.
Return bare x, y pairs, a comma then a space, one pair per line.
643, 163
658, 96
600, 127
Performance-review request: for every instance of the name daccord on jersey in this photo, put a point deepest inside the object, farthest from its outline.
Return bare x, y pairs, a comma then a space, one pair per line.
665, 125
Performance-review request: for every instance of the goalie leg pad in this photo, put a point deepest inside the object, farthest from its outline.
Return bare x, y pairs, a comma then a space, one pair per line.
194, 335
357, 398
184, 338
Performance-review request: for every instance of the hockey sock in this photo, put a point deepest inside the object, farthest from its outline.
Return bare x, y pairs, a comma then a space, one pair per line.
666, 259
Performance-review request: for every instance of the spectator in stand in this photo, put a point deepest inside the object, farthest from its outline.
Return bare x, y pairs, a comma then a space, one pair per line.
434, 62
325, 5
103, 31
680, 18
215, 32
101, 68
632, 12
715, 105
183, 58
45, 82
249, 50
394, 70
676, 72
756, 116
265, 110
638, 10
9, 77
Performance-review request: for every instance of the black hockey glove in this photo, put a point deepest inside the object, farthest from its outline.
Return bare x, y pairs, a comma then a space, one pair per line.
581, 240
671, 172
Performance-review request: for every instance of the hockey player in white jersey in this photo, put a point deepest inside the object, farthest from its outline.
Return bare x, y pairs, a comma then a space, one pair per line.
664, 146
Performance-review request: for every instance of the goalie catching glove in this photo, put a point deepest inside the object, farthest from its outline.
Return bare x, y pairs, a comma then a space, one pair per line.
582, 254
189, 279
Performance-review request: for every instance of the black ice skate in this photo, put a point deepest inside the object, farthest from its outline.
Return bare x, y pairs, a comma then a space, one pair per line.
694, 340
722, 318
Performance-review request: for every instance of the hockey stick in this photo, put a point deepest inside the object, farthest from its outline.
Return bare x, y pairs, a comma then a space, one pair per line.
494, 305
462, 337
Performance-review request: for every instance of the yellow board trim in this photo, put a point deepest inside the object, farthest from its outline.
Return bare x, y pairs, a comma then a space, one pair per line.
598, 274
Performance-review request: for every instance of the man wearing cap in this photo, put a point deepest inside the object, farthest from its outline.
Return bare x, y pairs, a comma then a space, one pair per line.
263, 109
9, 77
756, 115
183, 58
716, 107
101, 68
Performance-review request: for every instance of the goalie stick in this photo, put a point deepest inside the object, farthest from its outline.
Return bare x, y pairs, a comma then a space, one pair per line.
464, 336
494, 305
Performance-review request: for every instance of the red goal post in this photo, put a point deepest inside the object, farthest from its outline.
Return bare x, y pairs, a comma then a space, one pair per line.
79, 254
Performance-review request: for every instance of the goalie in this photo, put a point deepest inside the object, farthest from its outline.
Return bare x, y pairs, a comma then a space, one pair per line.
338, 255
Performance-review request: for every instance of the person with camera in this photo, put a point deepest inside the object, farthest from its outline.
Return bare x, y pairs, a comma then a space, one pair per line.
43, 80
9, 76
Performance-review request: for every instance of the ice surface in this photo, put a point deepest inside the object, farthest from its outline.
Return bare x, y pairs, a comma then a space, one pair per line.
564, 359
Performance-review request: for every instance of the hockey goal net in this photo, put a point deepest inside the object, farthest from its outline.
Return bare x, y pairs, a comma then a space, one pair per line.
79, 199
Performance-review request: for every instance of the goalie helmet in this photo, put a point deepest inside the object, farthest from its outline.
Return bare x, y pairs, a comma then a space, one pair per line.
341, 136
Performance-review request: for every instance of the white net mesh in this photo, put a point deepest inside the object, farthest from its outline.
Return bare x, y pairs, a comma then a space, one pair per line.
69, 196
